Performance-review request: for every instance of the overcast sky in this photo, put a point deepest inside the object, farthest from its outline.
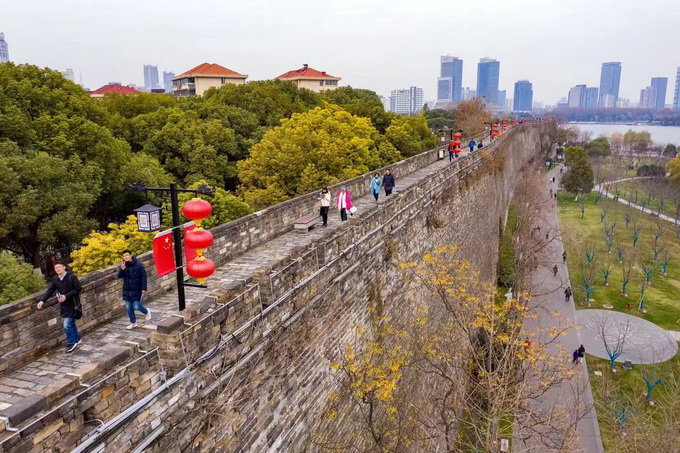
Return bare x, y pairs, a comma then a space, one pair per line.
376, 44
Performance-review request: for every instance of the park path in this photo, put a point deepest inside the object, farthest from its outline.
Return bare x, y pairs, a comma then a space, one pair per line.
549, 303
603, 187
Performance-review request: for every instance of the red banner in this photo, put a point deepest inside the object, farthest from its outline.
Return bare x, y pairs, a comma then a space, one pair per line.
189, 253
163, 253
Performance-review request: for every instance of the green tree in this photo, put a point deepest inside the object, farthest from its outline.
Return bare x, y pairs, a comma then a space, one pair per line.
580, 177
320, 147
470, 116
673, 168
363, 103
410, 135
670, 150
439, 118
637, 141
598, 147
17, 279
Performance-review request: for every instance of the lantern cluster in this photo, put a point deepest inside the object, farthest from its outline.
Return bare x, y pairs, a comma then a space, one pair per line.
200, 267
505, 126
513, 121
457, 143
494, 130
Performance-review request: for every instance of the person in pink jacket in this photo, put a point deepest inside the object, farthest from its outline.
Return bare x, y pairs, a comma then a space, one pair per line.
343, 202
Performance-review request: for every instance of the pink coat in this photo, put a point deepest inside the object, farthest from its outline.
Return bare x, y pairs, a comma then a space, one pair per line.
349, 200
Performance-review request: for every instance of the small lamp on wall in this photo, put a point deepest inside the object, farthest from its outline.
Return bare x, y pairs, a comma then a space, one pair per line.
148, 218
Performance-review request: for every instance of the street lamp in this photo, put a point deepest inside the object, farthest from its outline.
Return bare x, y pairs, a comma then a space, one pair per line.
153, 211
148, 218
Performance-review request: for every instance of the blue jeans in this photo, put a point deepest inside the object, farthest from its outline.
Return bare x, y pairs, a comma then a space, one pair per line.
71, 330
132, 306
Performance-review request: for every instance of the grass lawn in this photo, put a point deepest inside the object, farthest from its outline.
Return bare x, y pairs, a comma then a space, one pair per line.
662, 299
628, 387
628, 189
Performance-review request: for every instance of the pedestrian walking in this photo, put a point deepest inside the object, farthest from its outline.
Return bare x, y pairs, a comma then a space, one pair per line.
555, 196
67, 288
575, 356
452, 155
471, 145
567, 294
551, 194
324, 205
134, 287
564, 257
343, 202
547, 236
553, 179
480, 145
388, 182
376, 182
555, 270
581, 353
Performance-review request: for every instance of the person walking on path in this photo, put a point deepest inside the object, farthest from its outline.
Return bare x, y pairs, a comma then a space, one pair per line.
555, 270
452, 155
567, 294
67, 287
376, 182
581, 353
551, 194
134, 287
471, 145
343, 202
388, 182
564, 257
480, 145
575, 356
324, 205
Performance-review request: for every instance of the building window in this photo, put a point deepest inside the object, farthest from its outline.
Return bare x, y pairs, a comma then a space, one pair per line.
331, 82
321, 82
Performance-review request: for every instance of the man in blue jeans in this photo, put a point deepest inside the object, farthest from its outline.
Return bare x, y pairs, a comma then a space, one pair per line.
134, 287
67, 287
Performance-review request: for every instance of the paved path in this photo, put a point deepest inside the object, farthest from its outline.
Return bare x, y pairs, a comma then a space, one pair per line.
554, 311
604, 187
57, 375
645, 342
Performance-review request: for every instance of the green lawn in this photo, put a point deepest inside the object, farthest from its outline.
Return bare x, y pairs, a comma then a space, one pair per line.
662, 299
632, 190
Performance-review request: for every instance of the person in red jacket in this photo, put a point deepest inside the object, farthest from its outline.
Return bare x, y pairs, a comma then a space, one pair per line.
451, 153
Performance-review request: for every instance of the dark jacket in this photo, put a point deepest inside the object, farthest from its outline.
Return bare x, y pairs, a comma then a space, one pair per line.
134, 280
69, 287
388, 182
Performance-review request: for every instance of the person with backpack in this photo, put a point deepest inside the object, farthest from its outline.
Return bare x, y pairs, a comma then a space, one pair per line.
134, 287
67, 288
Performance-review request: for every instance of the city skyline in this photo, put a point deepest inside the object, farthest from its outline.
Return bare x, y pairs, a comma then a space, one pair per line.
266, 38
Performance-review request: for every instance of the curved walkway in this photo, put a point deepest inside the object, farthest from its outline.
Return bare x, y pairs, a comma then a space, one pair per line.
645, 342
644, 210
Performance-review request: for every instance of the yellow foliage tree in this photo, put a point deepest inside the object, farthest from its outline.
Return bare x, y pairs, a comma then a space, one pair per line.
103, 249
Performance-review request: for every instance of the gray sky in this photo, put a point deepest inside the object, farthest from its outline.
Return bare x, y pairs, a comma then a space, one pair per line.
376, 44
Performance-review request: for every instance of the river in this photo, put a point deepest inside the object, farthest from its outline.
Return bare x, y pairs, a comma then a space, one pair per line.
660, 134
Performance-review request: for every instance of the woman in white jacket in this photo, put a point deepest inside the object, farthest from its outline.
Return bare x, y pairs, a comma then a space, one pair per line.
324, 205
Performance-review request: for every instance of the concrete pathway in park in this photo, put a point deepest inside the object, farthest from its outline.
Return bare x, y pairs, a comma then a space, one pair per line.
604, 188
548, 301
644, 342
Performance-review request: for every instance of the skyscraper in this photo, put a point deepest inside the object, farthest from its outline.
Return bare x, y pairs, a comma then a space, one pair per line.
151, 77
577, 97
660, 84
406, 101
676, 96
591, 97
69, 74
488, 71
4, 50
648, 98
524, 96
167, 83
450, 82
610, 78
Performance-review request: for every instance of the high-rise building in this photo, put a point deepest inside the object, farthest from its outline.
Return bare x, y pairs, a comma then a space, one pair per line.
406, 101
676, 95
591, 97
151, 77
660, 84
450, 81
501, 98
648, 97
488, 71
167, 83
385, 102
610, 78
469, 94
577, 97
524, 96
69, 74
4, 50
622, 103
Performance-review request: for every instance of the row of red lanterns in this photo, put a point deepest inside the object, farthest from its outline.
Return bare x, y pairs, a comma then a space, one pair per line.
457, 143
199, 239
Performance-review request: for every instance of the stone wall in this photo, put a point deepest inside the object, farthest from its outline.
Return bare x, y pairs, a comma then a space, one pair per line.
26, 332
258, 352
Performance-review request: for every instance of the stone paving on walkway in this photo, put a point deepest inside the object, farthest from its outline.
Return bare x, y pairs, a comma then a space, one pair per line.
57, 374
644, 342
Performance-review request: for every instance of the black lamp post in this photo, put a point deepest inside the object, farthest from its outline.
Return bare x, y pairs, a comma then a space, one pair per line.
149, 220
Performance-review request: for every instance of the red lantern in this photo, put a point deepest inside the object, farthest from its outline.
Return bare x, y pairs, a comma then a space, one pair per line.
513, 121
458, 135
200, 268
198, 239
456, 150
197, 209
457, 143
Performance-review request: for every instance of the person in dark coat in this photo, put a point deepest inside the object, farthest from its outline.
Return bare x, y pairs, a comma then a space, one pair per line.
575, 356
581, 353
67, 288
388, 182
567, 294
134, 287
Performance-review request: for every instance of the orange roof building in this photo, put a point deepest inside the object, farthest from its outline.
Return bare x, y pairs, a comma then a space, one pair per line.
196, 81
309, 78
116, 88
